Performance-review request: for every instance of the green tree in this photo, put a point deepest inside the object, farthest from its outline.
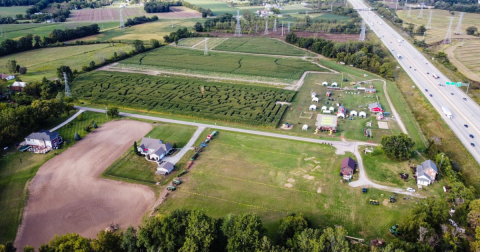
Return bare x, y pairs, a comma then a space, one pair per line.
472, 30
138, 45
154, 43
77, 137
244, 232
80, 117
92, 65
290, 227
87, 128
200, 232
22, 70
112, 112
107, 242
473, 217
198, 27
135, 148
28, 249
67, 243
95, 126
129, 240
421, 29
11, 66
397, 146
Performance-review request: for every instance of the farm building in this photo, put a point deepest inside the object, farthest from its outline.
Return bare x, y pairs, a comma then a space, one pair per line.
342, 109
375, 107
324, 108
347, 168
154, 149
370, 90
362, 114
18, 86
426, 173
43, 141
7, 77
326, 122
164, 168
329, 94
324, 83
353, 113
312, 107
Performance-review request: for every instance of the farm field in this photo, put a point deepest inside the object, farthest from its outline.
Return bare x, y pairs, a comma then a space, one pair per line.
467, 55
12, 11
440, 22
217, 7
184, 96
113, 14
250, 65
261, 46
240, 173
44, 62
211, 43
144, 171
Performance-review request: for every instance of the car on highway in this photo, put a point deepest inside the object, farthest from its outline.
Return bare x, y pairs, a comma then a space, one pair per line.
451, 93
464, 98
466, 125
410, 66
410, 189
431, 95
428, 73
471, 136
472, 144
426, 90
415, 69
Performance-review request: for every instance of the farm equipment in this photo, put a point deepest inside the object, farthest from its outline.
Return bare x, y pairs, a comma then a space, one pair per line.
203, 145
182, 173
171, 188
190, 164
374, 202
176, 182
194, 157
214, 133
364, 190
394, 231
392, 199
198, 149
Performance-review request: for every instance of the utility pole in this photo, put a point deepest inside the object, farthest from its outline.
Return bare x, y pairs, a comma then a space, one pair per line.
266, 27
122, 24
448, 36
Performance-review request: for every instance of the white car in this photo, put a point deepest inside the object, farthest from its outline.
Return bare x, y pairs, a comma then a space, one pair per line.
410, 189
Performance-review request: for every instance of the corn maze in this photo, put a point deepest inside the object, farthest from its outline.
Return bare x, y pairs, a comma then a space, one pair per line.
182, 96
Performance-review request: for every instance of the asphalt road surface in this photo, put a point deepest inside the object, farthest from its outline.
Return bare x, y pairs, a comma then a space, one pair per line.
465, 111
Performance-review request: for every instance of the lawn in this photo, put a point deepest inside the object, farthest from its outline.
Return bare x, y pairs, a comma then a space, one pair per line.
190, 97
181, 59
261, 46
17, 168
76, 126
44, 62
468, 55
217, 7
240, 173
133, 167
12, 11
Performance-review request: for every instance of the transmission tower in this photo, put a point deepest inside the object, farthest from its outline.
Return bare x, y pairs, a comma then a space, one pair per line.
275, 25
420, 15
288, 27
405, 5
331, 6
396, 5
206, 47
266, 27
67, 89
429, 23
238, 30
448, 36
362, 33
459, 26
172, 24
383, 2
122, 24
282, 29
409, 15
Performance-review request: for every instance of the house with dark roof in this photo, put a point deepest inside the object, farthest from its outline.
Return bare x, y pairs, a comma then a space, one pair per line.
164, 168
347, 168
154, 149
375, 107
426, 173
43, 141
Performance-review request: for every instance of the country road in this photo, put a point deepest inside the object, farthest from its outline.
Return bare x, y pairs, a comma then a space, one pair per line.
341, 146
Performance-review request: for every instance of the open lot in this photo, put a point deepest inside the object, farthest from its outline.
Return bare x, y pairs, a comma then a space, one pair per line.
240, 173
67, 196
261, 46
440, 22
184, 96
465, 58
194, 61
12, 11
44, 62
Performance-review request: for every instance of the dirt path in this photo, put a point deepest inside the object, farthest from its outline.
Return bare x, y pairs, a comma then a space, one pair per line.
67, 195
461, 67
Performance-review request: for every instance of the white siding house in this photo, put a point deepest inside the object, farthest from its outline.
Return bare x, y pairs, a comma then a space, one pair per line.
426, 173
43, 141
154, 149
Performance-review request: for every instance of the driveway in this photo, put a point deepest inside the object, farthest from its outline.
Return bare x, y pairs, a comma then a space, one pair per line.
174, 159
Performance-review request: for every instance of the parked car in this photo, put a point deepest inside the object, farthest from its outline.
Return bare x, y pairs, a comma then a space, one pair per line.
451, 93
471, 136
410, 189
426, 90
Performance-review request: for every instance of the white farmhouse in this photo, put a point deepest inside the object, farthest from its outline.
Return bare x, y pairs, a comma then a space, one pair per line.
43, 141
154, 149
426, 173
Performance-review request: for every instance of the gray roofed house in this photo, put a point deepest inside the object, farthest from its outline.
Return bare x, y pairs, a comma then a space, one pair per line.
375, 107
43, 141
154, 149
426, 173
164, 168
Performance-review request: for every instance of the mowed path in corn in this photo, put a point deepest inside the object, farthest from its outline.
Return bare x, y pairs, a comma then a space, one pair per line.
67, 195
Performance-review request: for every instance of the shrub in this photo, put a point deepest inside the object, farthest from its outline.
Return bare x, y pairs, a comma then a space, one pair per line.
77, 137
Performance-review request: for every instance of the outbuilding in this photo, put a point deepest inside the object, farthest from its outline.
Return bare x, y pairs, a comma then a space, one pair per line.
315, 99
327, 122
362, 114
347, 167
353, 113
375, 107
340, 115
328, 94
370, 90
312, 107
18, 85
324, 83
342, 109
379, 116
331, 109
164, 168
334, 84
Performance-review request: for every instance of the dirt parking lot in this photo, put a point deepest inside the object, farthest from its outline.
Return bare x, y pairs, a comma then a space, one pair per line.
67, 195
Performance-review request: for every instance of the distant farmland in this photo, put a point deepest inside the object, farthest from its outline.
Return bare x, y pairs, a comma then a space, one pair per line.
181, 96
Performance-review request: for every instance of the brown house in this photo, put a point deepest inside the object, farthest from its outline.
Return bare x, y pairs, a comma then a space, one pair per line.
347, 168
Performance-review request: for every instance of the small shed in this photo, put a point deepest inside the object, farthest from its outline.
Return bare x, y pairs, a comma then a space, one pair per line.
375, 107
324, 83
362, 114
164, 168
314, 94
325, 111
18, 86
370, 90
334, 84
305, 127
315, 99
347, 168
380, 116
312, 107
331, 109
353, 113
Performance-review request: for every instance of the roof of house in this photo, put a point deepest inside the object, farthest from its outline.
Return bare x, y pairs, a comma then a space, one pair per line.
421, 168
43, 135
19, 84
342, 108
370, 90
374, 105
165, 167
155, 144
348, 163
4, 76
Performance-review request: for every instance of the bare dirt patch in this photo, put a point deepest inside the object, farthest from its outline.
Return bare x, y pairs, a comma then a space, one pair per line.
306, 176
291, 180
113, 14
67, 195
288, 185
319, 190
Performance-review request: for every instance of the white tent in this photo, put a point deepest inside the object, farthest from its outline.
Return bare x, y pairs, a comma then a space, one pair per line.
324, 83
334, 84
331, 109
362, 114
315, 99
312, 107
353, 113
341, 115
324, 108
327, 111
314, 94
304, 127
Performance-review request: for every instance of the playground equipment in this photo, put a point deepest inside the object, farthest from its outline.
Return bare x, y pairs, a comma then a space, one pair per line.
393, 230
171, 188
176, 182
374, 202
316, 131
392, 199
331, 131
305, 127
364, 190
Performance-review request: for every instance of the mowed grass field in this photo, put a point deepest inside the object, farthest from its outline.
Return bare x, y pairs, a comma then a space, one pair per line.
12, 11
261, 46
44, 62
240, 173
134, 167
17, 168
440, 22
217, 7
468, 55
181, 58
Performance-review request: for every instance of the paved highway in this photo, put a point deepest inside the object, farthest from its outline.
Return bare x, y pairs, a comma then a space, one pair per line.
465, 111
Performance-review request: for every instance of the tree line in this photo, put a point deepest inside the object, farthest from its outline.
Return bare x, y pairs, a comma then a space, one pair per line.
140, 20
205, 12
365, 55
180, 34
160, 6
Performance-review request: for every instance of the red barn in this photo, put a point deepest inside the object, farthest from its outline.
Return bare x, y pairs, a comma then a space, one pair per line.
375, 107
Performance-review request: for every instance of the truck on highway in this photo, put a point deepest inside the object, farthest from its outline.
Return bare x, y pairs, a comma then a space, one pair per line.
435, 76
399, 56
399, 41
447, 112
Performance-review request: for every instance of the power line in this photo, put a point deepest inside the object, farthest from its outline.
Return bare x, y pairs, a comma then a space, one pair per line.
206, 47
266, 27
448, 36
409, 15
238, 29
405, 5
362, 33
420, 15
429, 23
67, 88
122, 24
459, 26
396, 5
